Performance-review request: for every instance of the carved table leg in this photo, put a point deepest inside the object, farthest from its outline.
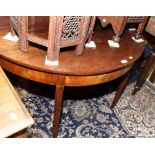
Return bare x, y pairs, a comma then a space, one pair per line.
137, 35
23, 30
120, 89
116, 38
144, 73
58, 103
12, 30
118, 26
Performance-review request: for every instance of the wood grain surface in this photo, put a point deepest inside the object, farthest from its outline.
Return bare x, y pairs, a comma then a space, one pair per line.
13, 114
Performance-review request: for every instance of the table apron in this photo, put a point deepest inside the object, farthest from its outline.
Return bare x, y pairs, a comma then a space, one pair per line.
52, 78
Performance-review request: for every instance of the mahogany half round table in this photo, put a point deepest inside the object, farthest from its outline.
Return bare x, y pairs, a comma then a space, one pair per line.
95, 66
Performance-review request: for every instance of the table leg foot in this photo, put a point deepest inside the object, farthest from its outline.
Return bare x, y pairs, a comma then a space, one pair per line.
136, 89
152, 77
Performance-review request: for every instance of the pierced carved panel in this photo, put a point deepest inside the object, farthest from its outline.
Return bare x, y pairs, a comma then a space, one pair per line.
71, 27
136, 17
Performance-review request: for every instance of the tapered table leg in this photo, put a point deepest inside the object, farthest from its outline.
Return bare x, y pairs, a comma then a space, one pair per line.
145, 73
57, 110
120, 90
152, 77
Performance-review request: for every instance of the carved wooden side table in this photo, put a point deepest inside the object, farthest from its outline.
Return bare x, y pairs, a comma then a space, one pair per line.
61, 31
119, 22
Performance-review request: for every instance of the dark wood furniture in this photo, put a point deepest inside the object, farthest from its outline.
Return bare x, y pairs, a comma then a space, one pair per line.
150, 62
145, 72
119, 22
150, 28
63, 31
95, 66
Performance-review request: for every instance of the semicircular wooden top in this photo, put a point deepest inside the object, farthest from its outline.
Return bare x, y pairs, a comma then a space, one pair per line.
100, 60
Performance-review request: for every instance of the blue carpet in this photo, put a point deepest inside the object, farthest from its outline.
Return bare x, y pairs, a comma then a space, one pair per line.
80, 118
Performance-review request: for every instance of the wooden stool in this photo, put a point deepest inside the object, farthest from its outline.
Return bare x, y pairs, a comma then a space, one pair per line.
119, 22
